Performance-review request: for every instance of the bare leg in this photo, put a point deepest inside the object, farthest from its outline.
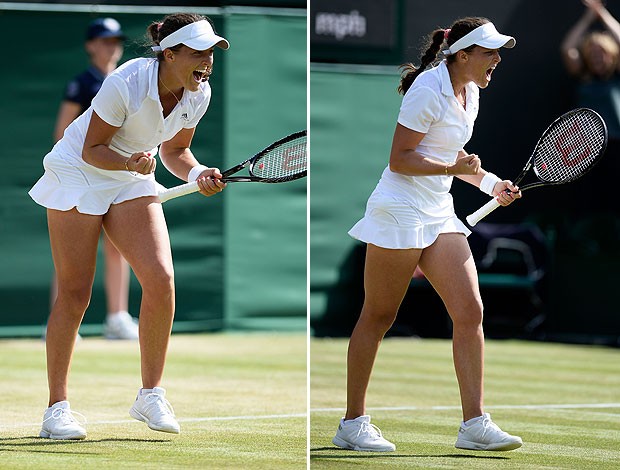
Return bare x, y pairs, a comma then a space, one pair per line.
138, 228
449, 266
73, 239
53, 290
116, 279
386, 277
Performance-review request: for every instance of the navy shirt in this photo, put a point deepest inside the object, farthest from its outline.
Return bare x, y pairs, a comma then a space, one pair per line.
83, 88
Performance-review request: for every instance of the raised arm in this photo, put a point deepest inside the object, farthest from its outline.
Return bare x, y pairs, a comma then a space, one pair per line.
570, 45
610, 23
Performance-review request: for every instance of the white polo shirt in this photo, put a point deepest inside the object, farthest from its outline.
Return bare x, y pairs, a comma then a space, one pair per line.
129, 99
430, 107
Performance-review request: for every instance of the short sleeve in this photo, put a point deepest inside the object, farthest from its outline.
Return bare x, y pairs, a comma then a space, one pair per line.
419, 109
111, 101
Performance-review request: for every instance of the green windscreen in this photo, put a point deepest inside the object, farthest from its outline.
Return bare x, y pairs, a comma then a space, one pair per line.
259, 94
265, 248
353, 115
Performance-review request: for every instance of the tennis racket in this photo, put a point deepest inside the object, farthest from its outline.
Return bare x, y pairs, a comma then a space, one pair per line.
566, 151
284, 160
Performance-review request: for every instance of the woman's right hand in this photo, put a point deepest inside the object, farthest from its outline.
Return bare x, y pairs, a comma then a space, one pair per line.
468, 164
210, 182
142, 163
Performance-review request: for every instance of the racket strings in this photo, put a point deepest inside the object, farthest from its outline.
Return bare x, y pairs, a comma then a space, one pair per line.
570, 148
286, 160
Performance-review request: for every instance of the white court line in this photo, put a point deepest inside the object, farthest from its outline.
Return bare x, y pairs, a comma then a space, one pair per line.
499, 407
181, 420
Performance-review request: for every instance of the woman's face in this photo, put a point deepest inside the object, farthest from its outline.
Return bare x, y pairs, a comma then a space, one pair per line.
192, 67
481, 63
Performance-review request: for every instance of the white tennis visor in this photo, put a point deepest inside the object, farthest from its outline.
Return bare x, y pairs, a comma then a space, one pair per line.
484, 36
198, 35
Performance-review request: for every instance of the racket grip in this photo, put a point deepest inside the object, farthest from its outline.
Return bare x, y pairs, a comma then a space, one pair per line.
473, 219
177, 191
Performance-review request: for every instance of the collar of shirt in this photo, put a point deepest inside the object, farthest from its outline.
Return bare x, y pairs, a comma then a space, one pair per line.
153, 92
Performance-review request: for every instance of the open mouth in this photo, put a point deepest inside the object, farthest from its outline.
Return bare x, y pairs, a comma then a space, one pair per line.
201, 75
489, 73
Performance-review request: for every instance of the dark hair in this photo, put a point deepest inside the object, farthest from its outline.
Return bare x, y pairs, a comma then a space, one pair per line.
460, 28
158, 30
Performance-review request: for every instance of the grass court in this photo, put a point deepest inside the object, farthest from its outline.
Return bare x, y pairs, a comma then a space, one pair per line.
563, 400
240, 400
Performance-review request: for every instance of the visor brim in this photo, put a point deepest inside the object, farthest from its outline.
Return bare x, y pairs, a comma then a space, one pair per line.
496, 42
202, 44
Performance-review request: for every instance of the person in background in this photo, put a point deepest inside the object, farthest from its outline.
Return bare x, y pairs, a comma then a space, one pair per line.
104, 45
592, 57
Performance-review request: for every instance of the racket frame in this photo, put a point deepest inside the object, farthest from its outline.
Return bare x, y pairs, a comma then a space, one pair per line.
475, 217
532, 159
192, 186
254, 159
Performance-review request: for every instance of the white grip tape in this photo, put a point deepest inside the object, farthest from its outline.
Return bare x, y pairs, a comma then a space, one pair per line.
177, 191
481, 213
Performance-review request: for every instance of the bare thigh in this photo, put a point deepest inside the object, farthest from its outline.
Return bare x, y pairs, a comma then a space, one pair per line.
73, 239
138, 229
387, 274
449, 266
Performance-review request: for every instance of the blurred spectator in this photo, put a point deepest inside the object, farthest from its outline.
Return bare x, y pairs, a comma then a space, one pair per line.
592, 56
104, 45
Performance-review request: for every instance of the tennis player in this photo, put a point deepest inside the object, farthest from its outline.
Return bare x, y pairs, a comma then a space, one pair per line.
410, 222
100, 176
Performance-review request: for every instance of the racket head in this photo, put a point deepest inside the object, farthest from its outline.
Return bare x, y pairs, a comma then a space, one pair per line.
569, 147
284, 160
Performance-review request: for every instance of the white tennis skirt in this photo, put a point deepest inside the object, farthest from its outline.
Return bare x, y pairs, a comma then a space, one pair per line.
394, 224
68, 183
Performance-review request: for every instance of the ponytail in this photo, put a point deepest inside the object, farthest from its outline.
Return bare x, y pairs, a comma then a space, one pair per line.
409, 72
460, 28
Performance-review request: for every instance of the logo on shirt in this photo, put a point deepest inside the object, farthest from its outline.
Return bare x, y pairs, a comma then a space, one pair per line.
184, 117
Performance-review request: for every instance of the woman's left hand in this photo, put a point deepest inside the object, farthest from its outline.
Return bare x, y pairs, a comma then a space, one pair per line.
210, 182
506, 197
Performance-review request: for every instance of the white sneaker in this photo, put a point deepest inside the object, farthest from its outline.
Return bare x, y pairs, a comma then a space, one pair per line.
59, 423
359, 434
120, 325
152, 408
484, 434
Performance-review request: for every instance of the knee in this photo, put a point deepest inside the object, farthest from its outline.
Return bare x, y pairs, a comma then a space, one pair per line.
468, 314
160, 282
378, 318
75, 295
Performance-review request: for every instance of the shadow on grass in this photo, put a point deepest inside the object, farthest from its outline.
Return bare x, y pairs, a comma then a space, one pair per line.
373, 455
30, 444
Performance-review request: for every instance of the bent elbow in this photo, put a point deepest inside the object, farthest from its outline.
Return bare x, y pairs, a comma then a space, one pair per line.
87, 154
396, 165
